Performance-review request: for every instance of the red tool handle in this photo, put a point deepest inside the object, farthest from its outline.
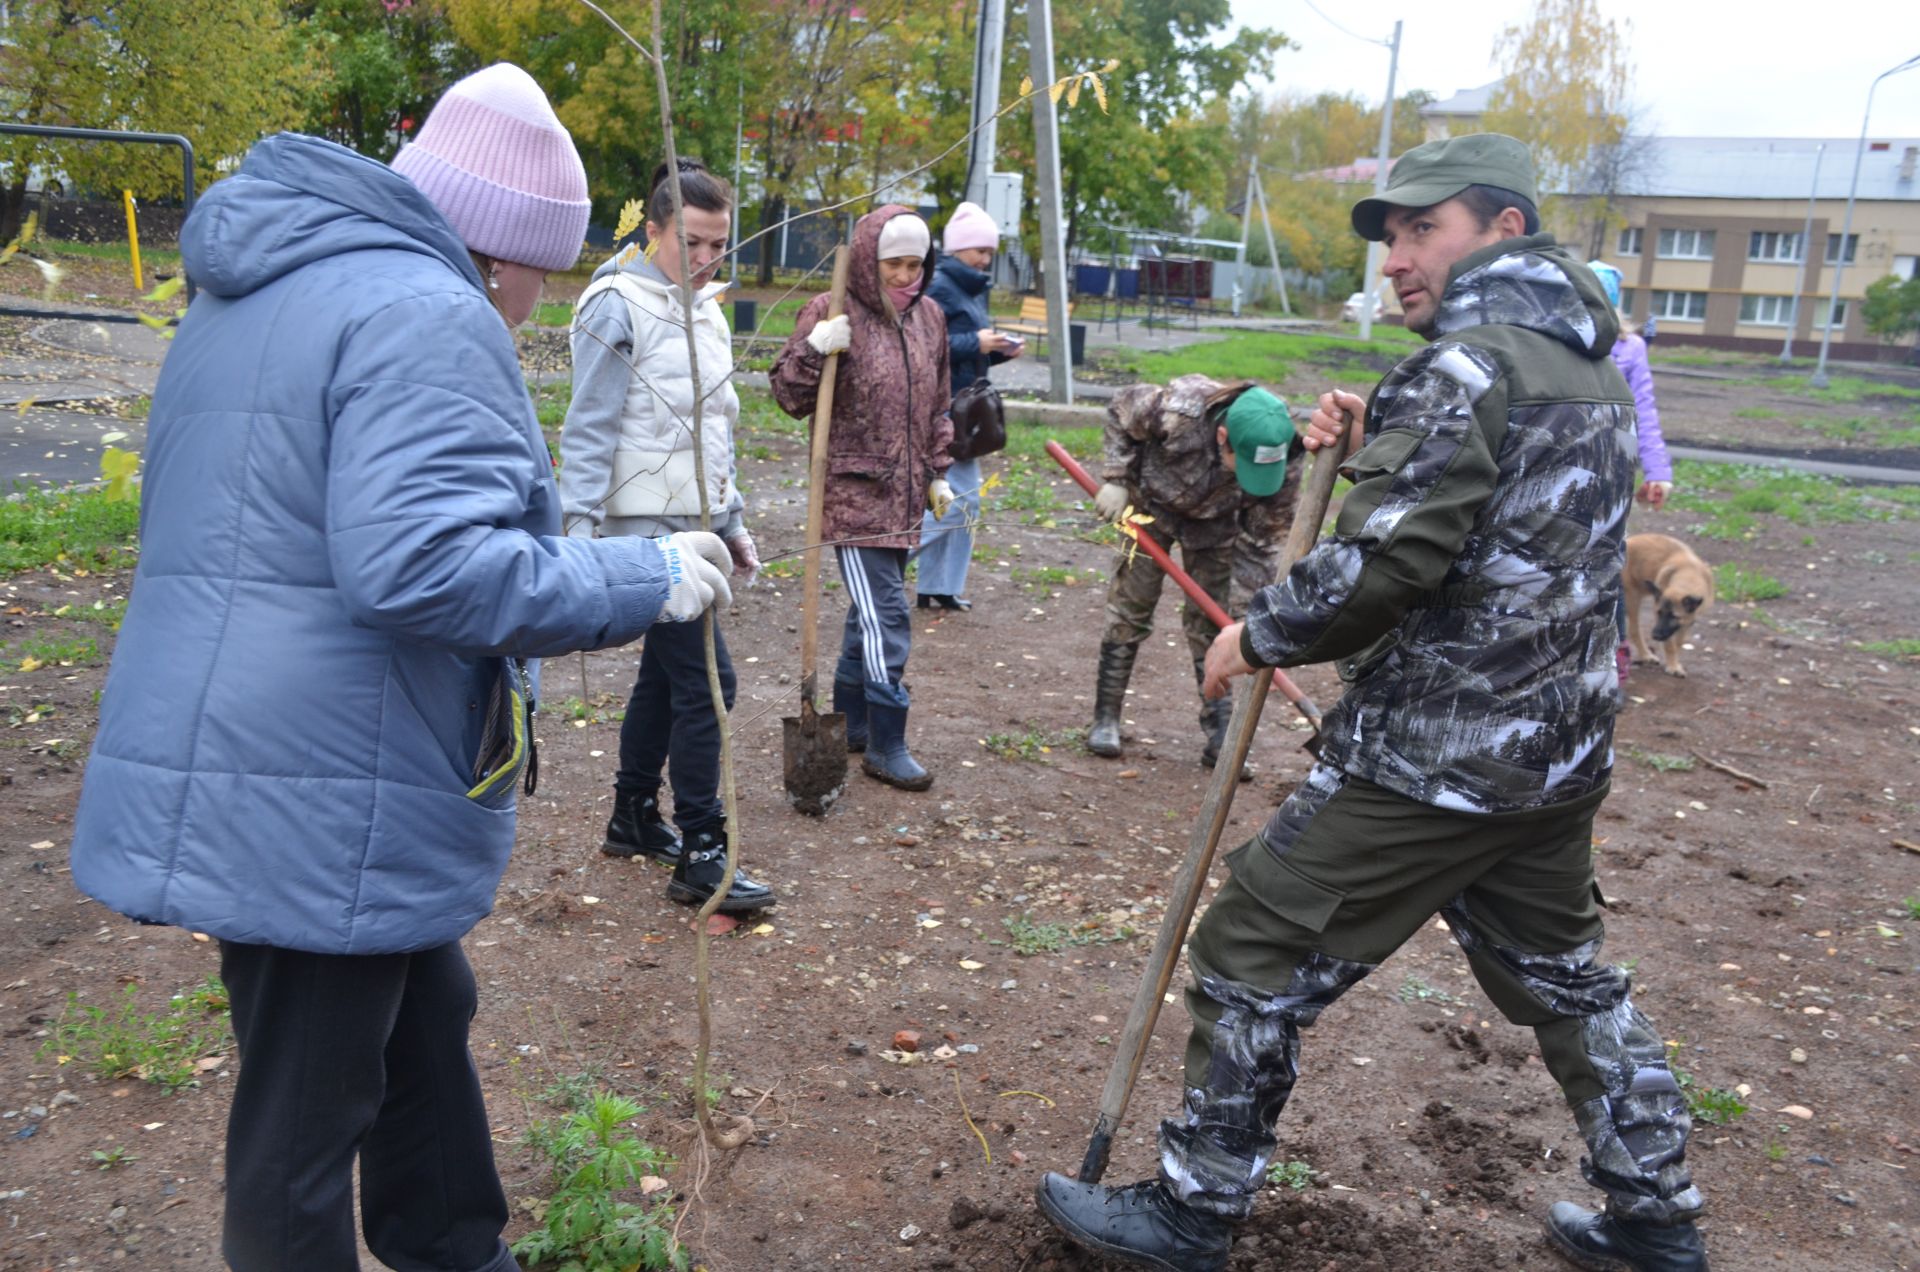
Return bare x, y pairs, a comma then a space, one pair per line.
1208, 606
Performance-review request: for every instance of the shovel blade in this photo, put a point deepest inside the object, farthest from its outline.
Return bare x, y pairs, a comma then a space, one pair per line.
815, 759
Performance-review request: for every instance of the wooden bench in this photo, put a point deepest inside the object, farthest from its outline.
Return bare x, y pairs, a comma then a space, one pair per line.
1032, 320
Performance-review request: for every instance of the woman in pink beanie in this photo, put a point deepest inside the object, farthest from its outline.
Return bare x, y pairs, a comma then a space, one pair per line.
317, 719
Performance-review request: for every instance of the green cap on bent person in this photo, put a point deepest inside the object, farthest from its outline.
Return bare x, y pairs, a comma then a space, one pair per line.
1438, 170
1259, 430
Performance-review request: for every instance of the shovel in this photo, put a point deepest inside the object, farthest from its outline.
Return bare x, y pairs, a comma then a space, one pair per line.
816, 742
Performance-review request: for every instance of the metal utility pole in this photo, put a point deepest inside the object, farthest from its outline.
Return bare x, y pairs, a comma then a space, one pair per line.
1819, 377
1380, 184
1806, 250
1240, 256
1053, 239
987, 49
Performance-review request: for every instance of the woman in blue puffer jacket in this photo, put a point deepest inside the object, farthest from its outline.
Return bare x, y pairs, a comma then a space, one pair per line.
317, 715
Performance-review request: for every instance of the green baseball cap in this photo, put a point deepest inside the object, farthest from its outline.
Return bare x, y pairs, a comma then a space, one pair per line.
1259, 430
1438, 170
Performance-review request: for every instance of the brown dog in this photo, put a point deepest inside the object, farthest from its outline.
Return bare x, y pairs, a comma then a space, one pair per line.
1679, 584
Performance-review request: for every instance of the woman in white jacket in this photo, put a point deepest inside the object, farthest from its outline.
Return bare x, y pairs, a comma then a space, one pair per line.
628, 468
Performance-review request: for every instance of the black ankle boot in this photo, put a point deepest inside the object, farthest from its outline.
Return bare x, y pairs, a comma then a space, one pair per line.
1215, 716
636, 829
850, 700
1606, 1244
928, 600
699, 870
1110, 697
1141, 1223
887, 757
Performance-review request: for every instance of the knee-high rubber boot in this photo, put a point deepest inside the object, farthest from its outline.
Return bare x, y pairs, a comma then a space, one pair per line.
887, 758
1110, 697
1215, 715
850, 700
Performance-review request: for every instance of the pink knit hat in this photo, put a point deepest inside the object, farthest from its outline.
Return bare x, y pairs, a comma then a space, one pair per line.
494, 158
970, 227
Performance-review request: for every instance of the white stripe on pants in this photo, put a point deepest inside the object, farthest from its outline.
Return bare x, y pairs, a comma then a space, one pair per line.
879, 631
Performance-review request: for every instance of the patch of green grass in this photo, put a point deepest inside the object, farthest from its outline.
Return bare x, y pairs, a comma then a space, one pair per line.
1267, 357
1034, 743
1415, 990
1031, 492
1736, 582
1047, 579
1029, 441
1029, 938
70, 527
1295, 1175
28, 655
553, 313
1713, 1106
1893, 434
591, 1156
550, 402
1913, 907
1776, 1151
1733, 499
1899, 647
1756, 413
1662, 763
1843, 388
1668, 355
162, 259
759, 413
123, 1042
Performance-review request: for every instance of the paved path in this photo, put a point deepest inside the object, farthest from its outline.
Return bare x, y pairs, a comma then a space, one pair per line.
1869, 474
55, 394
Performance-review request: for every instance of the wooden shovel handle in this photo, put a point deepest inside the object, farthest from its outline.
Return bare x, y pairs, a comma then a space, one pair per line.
1184, 896
816, 495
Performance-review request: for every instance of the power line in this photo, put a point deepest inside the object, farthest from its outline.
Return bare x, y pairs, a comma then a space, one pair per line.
1364, 39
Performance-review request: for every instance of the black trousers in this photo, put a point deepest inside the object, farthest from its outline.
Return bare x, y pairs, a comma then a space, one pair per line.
344, 1056
670, 723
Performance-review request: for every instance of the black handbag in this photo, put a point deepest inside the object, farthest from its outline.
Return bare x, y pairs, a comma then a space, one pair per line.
979, 421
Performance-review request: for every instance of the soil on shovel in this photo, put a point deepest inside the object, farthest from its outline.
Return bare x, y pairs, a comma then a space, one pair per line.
1004, 918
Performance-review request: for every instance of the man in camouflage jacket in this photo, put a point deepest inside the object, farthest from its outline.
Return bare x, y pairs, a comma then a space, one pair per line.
1166, 455
1467, 593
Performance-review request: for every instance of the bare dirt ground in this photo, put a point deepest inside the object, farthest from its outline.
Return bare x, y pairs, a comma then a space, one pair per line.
1765, 925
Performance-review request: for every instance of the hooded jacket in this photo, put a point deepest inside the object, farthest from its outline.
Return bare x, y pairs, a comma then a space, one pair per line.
349, 536
1469, 586
626, 452
890, 429
961, 292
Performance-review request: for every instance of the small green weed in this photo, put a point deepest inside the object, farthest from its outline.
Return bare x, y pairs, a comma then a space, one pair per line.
40, 652
1912, 905
67, 528
118, 1155
1295, 1175
785, 568
1715, 1106
759, 413
122, 1042
1415, 990
1034, 743
759, 451
583, 1227
1662, 763
550, 402
1028, 937
1900, 647
1047, 578
1776, 1151
1756, 413
1736, 582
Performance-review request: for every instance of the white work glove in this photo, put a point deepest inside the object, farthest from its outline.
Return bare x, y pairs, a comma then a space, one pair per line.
1111, 502
939, 497
831, 335
746, 562
697, 563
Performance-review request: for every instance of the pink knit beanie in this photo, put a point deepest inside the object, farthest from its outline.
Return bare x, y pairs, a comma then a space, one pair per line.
970, 227
494, 158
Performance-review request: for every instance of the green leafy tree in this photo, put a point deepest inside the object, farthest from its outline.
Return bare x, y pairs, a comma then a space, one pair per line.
1565, 89
1892, 307
220, 74
385, 63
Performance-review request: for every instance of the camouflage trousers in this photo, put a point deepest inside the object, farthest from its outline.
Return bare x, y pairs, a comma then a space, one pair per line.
1343, 874
1134, 593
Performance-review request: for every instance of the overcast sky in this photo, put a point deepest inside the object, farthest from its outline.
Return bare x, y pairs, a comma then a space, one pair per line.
1701, 67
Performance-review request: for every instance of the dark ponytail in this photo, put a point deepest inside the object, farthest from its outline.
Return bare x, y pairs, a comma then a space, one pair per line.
699, 187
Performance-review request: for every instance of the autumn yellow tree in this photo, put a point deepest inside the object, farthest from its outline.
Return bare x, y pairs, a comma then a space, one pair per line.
1565, 90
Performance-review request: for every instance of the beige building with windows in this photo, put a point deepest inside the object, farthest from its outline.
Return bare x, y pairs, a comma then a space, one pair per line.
1715, 245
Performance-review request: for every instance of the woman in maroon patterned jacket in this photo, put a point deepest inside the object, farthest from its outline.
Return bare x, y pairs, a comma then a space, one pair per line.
886, 456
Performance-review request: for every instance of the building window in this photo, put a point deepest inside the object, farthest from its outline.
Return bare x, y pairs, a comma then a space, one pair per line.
1839, 315
1769, 245
1690, 306
1686, 245
1833, 248
1626, 300
1767, 311
1630, 240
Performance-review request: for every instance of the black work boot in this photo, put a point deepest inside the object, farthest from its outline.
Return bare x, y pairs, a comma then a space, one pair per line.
887, 758
1110, 697
1215, 716
699, 870
636, 829
850, 700
1141, 1223
1607, 1244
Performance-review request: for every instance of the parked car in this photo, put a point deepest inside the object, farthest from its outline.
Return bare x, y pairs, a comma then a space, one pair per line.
1350, 312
